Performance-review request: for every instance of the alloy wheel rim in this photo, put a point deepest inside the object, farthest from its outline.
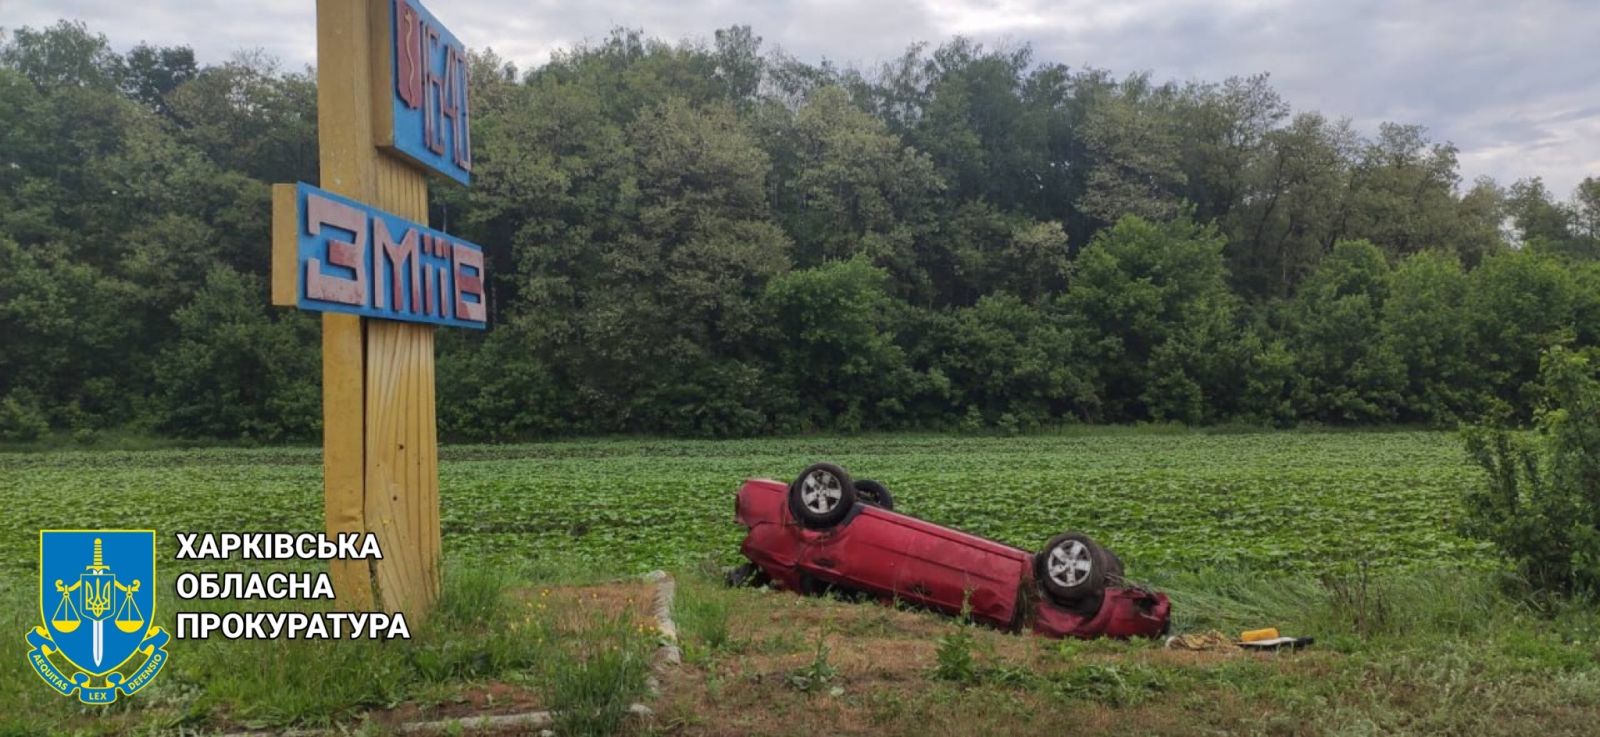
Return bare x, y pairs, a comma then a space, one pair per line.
1070, 563
820, 492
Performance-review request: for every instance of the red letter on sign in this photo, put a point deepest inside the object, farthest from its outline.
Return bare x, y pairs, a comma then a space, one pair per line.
383, 244
322, 211
468, 283
431, 92
464, 134
408, 54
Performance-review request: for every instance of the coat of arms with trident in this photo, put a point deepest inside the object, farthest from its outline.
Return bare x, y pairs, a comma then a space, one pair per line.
98, 662
101, 597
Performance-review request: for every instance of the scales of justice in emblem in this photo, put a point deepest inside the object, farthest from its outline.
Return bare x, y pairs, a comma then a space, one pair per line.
117, 586
100, 596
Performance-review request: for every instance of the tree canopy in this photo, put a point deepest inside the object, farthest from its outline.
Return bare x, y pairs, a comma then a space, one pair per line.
703, 238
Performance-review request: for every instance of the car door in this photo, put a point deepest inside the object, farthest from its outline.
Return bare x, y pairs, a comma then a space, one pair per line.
895, 556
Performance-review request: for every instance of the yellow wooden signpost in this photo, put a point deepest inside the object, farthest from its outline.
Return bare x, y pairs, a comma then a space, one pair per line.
391, 104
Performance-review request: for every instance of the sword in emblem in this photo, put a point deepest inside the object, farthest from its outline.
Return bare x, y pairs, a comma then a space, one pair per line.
97, 599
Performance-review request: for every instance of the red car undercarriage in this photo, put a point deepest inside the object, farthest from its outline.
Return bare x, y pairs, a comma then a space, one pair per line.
825, 531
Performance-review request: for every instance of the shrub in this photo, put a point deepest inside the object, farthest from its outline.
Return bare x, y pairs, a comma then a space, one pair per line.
1540, 504
21, 420
819, 672
954, 661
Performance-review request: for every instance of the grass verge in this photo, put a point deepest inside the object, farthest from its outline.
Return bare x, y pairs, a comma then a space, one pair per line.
1439, 652
497, 642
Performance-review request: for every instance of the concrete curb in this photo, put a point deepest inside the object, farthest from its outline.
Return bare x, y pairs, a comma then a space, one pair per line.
539, 720
666, 593
667, 656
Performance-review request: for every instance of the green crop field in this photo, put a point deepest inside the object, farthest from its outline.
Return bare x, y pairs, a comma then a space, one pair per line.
1295, 501
1426, 645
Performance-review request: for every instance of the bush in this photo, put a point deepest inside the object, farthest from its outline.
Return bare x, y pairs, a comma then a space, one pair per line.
832, 350
21, 420
1152, 303
1541, 503
953, 659
235, 370
1346, 373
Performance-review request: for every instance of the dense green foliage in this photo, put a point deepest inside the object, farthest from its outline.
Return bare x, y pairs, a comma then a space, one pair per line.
1291, 501
702, 239
1541, 503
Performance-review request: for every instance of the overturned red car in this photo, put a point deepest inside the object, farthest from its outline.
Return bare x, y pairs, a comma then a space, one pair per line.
826, 531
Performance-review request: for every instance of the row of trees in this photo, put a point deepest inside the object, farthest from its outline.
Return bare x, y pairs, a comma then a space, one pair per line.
704, 239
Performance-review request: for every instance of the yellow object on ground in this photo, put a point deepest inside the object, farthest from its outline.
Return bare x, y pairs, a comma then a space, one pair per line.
1257, 635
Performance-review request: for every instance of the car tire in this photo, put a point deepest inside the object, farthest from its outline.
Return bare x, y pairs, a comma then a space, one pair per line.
1071, 567
874, 493
1089, 606
822, 495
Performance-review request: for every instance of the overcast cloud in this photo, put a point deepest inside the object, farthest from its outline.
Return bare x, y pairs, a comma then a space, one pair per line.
1516, 85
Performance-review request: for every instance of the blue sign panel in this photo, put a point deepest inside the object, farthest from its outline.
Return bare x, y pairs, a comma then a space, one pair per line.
428, 91
360, 260
97, 601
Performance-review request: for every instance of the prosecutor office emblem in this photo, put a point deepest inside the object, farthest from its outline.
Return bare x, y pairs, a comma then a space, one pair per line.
97, 599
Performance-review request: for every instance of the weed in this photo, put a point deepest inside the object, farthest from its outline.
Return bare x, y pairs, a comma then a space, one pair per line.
886, 707
588, 684
703, 616
1111, 684
953, 658
874, 621
780, 643
472, 595
817, 674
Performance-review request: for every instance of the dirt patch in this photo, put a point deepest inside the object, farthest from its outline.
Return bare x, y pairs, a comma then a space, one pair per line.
577, 604
881, 678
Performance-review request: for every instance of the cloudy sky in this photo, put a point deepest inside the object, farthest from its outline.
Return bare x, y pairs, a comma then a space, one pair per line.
1514, 84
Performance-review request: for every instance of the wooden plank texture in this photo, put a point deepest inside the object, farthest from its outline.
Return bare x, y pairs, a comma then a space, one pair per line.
402, 483
285, 232
381, 62
397, 461
344, 452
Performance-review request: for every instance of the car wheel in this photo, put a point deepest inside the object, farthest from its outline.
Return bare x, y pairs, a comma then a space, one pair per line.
1072, 566
875, 493
822, 495
1089, 606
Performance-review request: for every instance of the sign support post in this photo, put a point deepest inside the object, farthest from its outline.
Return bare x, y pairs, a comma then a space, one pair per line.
356, 252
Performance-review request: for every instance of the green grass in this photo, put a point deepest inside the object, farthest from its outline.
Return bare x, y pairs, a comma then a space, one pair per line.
589, 682
1422, 653
703, 610
1346, 536
479, 634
